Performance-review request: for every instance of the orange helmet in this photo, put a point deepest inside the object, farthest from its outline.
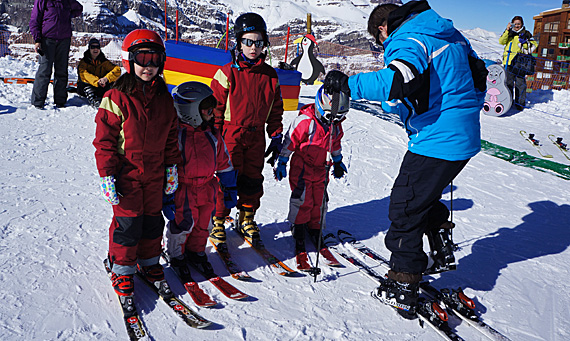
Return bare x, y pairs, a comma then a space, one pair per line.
138, 39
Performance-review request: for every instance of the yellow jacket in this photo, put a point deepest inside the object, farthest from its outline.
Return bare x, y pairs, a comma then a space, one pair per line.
513, 46
90, 71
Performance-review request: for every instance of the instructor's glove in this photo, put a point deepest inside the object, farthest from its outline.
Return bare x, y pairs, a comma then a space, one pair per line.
168, 206
228, 184
109, 190
274, 148
338, 167
336, 81
281, 170
171, 179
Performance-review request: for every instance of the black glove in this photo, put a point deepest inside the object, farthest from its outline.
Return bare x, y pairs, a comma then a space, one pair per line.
339, 169
336, 81
274, 149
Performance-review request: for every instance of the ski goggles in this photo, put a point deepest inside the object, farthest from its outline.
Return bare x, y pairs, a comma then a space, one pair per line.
148, 58
249, 42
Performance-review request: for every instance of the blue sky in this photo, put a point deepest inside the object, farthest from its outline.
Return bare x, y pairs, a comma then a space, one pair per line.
491, 15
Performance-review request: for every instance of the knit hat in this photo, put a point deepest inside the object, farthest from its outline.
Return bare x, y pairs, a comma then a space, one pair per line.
94, 42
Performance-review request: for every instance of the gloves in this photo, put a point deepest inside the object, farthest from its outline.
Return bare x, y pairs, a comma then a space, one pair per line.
274, 148
168, 206
281, 170
108, 189
171, 179
338, 167
336, 81
228, 184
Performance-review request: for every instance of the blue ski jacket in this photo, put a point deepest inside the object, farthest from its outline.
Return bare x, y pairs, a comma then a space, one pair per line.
428, 81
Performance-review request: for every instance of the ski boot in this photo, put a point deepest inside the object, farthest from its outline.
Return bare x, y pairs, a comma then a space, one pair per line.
92, 97
301, 257
199, 260
155, 274
247, 227
401, 291
180, 266
218, 234
124, 286
442, 248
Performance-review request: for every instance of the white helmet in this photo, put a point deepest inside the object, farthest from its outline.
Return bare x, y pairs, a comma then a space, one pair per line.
323, 103
188, 98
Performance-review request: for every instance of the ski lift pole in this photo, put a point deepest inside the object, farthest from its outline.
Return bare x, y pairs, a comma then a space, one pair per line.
287, 42
177, 26
165, 22
227, 29
334, 111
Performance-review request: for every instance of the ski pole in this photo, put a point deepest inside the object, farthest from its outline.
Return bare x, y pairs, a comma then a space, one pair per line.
334, 111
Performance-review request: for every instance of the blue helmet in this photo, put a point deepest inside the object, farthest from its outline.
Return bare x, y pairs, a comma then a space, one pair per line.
323, 104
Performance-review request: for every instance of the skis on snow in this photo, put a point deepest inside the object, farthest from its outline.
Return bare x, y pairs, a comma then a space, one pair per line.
560, 145
218, 282
428, 310
535, 143
454, 300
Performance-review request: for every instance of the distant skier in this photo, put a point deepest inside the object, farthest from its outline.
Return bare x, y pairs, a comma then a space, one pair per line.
438, 84
308, 139
136, 149
249, 98
205, 161
307, 63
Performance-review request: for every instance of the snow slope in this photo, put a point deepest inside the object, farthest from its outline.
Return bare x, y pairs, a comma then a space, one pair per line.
512, 228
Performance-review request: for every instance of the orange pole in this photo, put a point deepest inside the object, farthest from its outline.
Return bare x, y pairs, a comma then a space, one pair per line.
176, 25
287, 43
165, 18
227, 29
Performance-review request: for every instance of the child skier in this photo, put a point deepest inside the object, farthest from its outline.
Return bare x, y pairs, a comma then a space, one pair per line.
249, 96
204, 155
308, 139
136, 154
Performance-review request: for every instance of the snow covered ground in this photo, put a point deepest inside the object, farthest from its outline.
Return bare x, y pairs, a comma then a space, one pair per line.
512, 227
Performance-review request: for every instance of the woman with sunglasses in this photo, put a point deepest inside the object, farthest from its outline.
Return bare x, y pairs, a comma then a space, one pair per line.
136, 143
96, 73
249, 102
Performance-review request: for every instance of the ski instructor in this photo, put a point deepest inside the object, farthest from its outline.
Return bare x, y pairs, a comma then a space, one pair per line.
436, 83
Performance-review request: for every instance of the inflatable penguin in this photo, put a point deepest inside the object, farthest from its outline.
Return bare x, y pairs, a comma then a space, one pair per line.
498, 99
306, 63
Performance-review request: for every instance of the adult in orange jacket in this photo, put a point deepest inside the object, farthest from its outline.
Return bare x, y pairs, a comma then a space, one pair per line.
249, 97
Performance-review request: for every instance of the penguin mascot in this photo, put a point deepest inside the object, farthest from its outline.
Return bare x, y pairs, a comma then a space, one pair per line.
306, 63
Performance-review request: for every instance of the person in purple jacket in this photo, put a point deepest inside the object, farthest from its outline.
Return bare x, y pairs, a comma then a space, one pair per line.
50, 25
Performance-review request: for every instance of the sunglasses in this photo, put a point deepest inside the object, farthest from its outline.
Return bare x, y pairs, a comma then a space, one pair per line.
98, 47
249, 42
148, 58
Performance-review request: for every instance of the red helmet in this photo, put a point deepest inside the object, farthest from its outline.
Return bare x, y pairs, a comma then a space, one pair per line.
138, 39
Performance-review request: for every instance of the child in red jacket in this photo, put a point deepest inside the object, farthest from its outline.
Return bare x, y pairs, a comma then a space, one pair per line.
249, 97
309, 139
137, 152
205, 162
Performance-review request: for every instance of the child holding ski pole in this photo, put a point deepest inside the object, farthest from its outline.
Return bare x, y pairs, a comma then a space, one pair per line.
205, 162
137, 152
309, 140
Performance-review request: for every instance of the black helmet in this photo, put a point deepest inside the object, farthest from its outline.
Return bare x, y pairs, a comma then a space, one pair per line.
250, 22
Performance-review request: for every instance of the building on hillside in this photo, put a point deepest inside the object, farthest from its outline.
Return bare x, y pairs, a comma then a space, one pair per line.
552, 33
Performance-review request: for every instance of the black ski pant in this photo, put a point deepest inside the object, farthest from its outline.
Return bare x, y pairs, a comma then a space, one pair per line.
415, 208
517, 86
56, 56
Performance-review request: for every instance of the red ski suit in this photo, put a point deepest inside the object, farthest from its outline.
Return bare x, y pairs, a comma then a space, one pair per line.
248, 97
308, 140
135, 139
204, 154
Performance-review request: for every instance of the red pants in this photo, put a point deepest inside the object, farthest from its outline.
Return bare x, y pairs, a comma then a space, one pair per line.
246, 147
194, 208
307, 191
137, 225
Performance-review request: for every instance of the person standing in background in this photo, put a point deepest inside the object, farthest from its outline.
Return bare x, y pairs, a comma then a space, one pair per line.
50, 25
